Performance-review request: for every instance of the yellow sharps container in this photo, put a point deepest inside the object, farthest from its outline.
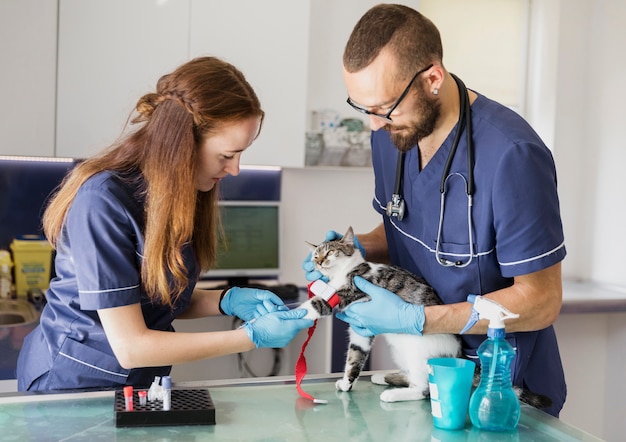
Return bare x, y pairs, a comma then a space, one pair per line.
32, 257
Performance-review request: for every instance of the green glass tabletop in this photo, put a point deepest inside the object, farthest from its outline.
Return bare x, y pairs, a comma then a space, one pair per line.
269, 409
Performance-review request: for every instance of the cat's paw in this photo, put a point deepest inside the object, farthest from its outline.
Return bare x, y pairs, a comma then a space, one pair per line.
379, 379
343, 385
401, 394
388, 396
312, 314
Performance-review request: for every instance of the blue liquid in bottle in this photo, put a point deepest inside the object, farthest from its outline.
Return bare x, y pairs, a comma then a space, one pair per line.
494, 405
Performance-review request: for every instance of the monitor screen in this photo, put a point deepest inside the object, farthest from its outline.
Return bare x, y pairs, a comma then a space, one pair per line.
251, 249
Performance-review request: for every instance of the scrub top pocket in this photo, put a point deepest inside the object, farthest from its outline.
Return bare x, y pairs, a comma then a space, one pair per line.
29, 369
78, 365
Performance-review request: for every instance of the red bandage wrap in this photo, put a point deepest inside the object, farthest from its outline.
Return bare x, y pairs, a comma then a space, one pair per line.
333, 300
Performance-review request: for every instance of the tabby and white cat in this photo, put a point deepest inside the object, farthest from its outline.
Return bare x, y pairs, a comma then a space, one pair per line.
341, 261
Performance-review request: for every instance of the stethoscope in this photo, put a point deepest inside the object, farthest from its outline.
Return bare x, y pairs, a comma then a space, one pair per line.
396, 208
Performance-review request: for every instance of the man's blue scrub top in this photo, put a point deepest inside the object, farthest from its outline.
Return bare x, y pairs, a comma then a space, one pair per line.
98, 266
516, 225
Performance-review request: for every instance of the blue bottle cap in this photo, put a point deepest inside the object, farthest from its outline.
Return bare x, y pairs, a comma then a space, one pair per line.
166, 382
496, 333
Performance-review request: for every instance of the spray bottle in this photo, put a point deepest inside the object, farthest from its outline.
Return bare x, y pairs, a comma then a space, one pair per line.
494, 405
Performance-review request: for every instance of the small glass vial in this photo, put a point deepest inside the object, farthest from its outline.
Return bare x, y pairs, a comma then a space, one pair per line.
143, 397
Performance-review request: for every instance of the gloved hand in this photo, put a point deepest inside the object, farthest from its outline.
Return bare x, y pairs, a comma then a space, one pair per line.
248, 303
309, 267
277, 329
385, 313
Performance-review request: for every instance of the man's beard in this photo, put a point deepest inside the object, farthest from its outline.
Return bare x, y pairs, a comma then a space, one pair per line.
429, 110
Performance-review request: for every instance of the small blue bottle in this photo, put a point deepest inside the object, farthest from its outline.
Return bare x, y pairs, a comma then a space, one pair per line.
494, 406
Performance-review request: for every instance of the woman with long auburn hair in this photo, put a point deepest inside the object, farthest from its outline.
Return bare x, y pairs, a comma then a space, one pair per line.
133, 228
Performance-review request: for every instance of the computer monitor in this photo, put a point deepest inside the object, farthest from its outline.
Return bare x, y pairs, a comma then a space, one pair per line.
251, 248
250, 207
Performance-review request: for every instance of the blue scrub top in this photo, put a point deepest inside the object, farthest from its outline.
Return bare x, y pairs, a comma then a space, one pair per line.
98, 266
516, 225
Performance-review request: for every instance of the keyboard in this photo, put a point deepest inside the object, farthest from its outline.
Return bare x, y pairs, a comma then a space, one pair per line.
283, 291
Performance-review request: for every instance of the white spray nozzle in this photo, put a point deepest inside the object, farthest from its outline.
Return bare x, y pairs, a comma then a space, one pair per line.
485, 308
494, 312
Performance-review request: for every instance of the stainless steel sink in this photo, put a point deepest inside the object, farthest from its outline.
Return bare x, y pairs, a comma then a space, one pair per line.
16, 313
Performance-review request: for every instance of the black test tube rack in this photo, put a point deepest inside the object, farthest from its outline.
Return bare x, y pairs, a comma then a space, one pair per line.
188, 407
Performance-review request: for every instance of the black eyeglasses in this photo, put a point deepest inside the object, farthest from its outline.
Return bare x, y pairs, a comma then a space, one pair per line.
387, 116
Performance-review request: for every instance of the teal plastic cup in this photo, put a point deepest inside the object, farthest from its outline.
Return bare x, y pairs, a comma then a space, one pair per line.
450, 381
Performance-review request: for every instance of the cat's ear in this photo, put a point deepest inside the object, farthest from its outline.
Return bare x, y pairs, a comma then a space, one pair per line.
311, 246
349, 236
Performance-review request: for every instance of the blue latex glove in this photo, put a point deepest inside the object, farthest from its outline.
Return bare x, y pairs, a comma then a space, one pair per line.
248, 303
385, 313
277, 329
309, 267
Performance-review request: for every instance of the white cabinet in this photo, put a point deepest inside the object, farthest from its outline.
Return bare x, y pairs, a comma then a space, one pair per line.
28, 30
111, 52
268, 41
71, 94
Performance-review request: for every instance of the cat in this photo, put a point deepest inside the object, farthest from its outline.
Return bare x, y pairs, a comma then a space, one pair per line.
340, 261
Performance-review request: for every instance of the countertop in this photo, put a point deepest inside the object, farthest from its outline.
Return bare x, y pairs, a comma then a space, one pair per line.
263, 409
578, 297
592, 297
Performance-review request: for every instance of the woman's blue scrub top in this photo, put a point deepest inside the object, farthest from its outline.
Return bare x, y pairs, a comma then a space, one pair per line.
98, 266
516, 225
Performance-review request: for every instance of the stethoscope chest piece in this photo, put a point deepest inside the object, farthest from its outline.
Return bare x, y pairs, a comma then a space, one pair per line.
395, 207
